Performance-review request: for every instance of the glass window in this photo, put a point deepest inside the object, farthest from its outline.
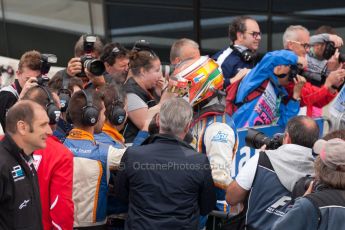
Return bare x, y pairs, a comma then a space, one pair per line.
154, 2
310, 7
214, 27
160, 26
220, 5
281, 23
70, 16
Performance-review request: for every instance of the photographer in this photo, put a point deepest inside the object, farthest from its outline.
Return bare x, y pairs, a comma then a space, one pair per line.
85, 63
324, 48
271, 105
296, 38
29, 68
324, 207
266, 181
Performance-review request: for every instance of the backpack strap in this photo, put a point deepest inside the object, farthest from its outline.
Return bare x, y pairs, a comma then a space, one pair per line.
231, 90
325, 197
256, 92
316, 206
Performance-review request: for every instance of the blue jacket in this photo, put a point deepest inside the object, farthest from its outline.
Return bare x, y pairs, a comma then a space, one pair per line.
162, 194
115, 206
304, 214
263, 71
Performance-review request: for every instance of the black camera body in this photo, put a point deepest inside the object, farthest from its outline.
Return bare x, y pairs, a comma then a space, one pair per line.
143, 45
94, 66
294, 71
46, 61
256, 139
330, 51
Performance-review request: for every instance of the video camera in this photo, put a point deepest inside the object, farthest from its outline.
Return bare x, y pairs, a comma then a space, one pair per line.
256, 139
143, 45
46, 61
93, 65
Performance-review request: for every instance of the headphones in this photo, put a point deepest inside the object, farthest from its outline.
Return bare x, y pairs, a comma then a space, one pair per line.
90, 113
246, 55
64, 93
53, 112
116, 114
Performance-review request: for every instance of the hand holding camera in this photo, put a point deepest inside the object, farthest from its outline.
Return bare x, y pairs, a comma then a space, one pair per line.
32, 82
74, 66
299, 83
335, 79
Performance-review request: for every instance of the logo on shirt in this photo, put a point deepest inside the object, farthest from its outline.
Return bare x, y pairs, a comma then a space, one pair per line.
220, 137
17, 173
282, 202
23, 205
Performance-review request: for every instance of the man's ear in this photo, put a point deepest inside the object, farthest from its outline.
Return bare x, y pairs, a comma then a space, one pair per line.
106, 64
186, 129
239, 36
286, 139
157, 120
22, 127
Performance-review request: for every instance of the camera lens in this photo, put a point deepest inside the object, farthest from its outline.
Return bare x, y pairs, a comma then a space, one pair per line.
256, 139
341, 57
96, 67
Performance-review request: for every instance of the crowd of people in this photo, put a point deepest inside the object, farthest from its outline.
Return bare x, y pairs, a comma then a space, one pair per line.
114, 142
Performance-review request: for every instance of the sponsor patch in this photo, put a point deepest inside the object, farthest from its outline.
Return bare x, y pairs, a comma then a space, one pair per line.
17, 173
220, 137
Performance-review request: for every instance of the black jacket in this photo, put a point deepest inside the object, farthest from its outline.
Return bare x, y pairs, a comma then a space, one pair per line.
168, 185
8, 99
20, 206
131, 86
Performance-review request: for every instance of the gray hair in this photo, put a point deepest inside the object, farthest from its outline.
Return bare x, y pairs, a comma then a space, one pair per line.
291, 35
177, 47
175, 114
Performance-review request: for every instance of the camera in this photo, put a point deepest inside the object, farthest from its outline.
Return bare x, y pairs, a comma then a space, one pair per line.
143, 45
46, 61
94, 66
294, 71
256, 139
330, 51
